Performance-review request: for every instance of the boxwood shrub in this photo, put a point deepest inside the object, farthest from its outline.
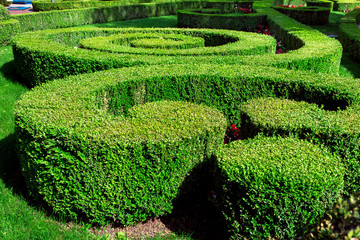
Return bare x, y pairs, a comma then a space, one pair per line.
8, 28
42, 5
321, 3
274, 188
337, 130
87, 162
75, 130
310, 15
4, 13
45, 55
345, 5
349, 34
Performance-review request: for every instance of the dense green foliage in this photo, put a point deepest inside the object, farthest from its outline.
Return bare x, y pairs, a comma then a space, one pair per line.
311, 15
335, 129
345, 5
119, 144
49, 54
274, 188
43, 5
4, 13
349, 34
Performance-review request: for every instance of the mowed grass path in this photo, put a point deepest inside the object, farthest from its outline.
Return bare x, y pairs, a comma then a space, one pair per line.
19, 219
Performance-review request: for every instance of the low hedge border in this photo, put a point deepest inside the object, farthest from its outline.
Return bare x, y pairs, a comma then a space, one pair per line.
345, 5
310, 15
338, 130
78, 17
193, 18
8, 28
79, 125
349, 34
312, 50
41, 5
41, 56
321, 3
216, 42
265, 189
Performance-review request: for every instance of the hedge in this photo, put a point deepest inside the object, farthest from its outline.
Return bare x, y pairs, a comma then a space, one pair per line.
78, 17
338, 130
321, 3
345, 5
4, 13
81, 121
311, 15
42, 5
43, 59
8, 28
275, 188
45, 55
349, 34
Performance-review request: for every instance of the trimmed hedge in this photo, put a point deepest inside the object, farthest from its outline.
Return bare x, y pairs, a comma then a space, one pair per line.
345, 5
196, 18
311, 15
79, 123
8, 28
274, 188
4, 13
338, 130
78, 17
349, 34
43, 5
321, 3
45, 55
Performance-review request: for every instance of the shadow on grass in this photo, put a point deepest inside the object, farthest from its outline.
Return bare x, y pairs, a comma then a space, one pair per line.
10, 170
9, 71
195, 211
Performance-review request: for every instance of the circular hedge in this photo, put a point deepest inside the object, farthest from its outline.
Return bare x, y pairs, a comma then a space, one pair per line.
49, 54
276, 187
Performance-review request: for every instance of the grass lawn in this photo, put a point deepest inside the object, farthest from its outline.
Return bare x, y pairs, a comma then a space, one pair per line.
20, 218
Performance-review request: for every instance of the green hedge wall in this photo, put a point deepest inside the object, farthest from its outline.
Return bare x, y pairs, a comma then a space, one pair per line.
78, 17
41, 5
8, 28
311, 15
345, 5
338, 130
265, 189
72, 128
322, 3
45, 55
4, 13
349, 34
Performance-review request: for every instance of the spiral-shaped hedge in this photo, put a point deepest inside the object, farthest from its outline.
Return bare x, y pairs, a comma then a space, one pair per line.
119, 144
49, 54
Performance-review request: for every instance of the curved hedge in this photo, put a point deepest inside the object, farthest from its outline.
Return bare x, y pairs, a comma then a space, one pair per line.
4, 13
41, 5
311, 15
345, 5
101, 144
275, 188
8, 28
349, 34
82, 121
338, 130
45, 55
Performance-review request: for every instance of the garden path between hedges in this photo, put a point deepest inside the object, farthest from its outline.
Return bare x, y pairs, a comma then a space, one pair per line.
13, 12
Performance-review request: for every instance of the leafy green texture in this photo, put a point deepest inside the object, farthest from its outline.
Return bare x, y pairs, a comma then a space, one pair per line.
45, 55
76, 133
84, 16
4, 13
273, 188
84, 160
345, 5
349, 34
43, 5
311, 15
338, 130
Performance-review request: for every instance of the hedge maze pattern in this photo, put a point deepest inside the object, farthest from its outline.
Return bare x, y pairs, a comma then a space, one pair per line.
119, 140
